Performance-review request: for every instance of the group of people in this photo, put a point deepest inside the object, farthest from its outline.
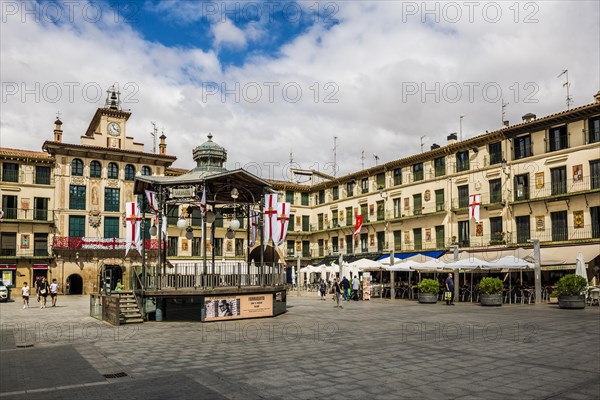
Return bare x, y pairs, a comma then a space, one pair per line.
341, 290
42, 290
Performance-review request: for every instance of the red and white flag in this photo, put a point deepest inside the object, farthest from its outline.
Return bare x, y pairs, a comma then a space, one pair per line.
474, 206
151, 196
203, 203
358, 225
283, 217
254, 234
270, 218
132, 237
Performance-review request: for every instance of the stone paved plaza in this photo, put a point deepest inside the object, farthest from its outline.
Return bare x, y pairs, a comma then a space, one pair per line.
380, 349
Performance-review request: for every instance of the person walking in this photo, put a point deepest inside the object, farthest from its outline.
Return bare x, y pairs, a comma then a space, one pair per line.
54, 292
323, 290
449, 288
43, 289
346, 287
36, 286
25, 295
337, 290
355, 287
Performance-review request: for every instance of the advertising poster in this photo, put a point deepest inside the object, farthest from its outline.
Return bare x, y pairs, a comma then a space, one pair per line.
220, 308
366, 287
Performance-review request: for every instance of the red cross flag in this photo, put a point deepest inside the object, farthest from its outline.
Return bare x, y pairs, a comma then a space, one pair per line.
132, 237
474, 206
270, 218
151, 196
358, 225
283, 217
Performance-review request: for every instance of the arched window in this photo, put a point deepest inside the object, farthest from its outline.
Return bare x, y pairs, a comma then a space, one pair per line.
95, 169
77, 167
146, 171
113, 171
129, 172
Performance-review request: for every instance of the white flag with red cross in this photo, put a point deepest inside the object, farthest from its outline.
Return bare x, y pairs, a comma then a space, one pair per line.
132, 227
283, 218
270, 218
474, 206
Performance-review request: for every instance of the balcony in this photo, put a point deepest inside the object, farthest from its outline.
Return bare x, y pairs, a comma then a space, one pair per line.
28, 214
10, 176
96, 243
429, 208
34, 252
559, 189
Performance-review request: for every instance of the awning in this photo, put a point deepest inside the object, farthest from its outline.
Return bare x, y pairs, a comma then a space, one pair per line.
5, 266
39, 266
402, 256
550, 256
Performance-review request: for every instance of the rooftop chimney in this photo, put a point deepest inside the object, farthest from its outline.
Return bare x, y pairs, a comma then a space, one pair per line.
506, 124
528, 117
452, 138
58, 130
597, 97
435, 146
162, 147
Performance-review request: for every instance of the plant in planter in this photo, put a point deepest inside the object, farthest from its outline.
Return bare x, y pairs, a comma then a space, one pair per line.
428, 291
490, 290
570, 291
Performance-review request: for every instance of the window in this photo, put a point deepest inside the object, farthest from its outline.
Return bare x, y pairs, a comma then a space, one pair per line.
40, 245
439, 200
321, 196
197, 217
417, 204
349, 218
463, 196
595, 174
129, 172
8, 244
495, 150
95, 169
558, 138
172, 246
77, 167
320, 222
218, 220
380, 241
440, 166
364, 212
9, 206
334, 219
380, 211
76, 197
42, 175
397, 240
364, 242
40, 209
146, 171
418, 238
463, 233
111, 227
292, 223
380, 179
364, 185
335, 245
350, 189
595, 216
417, 172
320, 244
496, 230
397, 208
440, 241
239, 247
558, 181
172, 214
10, 172
305, 248
398, 176
113, 171
523, 229
304, 199
76, 226
305, 223
111, 199
290, 247
495, 191
559, 226
594, 130
335, 192
147, 224
522, 147
289, 196
349, 244
462, 161
522, 187
196, 246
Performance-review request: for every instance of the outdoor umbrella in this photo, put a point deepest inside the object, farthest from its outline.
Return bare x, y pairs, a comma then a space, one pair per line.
580, 266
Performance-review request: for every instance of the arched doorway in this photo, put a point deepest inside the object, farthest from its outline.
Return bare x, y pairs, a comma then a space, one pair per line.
269, 254
109, 277
74, 284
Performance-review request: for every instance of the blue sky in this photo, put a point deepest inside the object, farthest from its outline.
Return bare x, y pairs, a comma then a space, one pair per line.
379, 75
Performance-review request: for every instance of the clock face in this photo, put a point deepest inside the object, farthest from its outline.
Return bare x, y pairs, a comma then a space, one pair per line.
114, 128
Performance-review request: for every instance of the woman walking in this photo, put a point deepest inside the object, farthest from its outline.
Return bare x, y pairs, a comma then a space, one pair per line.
43, 290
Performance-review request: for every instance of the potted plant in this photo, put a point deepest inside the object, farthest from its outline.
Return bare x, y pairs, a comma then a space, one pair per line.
570, 291
490, 290
428, 291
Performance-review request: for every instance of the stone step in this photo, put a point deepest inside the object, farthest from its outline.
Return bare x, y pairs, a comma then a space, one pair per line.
132, 321
131, 315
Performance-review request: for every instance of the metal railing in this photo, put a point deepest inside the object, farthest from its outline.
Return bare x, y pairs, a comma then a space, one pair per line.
28, 214
10, 176
33, 251
96, 243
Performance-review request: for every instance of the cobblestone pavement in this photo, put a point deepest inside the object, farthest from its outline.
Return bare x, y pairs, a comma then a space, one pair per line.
368, 350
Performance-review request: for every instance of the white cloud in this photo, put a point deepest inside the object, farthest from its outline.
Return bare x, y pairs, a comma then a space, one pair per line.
367, 60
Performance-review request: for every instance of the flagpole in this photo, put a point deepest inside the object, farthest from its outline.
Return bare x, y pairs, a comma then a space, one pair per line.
262, 248
159, 235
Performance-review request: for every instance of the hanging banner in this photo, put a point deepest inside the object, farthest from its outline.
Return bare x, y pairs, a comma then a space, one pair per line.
132, 236
270, 217
283, 218
238, 306
474, 206
358, 225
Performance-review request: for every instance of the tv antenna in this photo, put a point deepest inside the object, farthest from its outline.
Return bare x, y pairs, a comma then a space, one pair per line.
335, 155
422, 137
376, 157
567, 84
503, 110
362, 159
154, 135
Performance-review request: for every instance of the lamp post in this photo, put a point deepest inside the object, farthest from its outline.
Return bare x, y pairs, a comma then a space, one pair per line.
456, 282
537, 270
298, 275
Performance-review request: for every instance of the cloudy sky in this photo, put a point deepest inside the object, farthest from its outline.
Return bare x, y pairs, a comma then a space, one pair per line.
270, 78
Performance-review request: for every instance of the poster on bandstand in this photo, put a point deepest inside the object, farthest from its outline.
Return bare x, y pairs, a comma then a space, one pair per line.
366, 286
